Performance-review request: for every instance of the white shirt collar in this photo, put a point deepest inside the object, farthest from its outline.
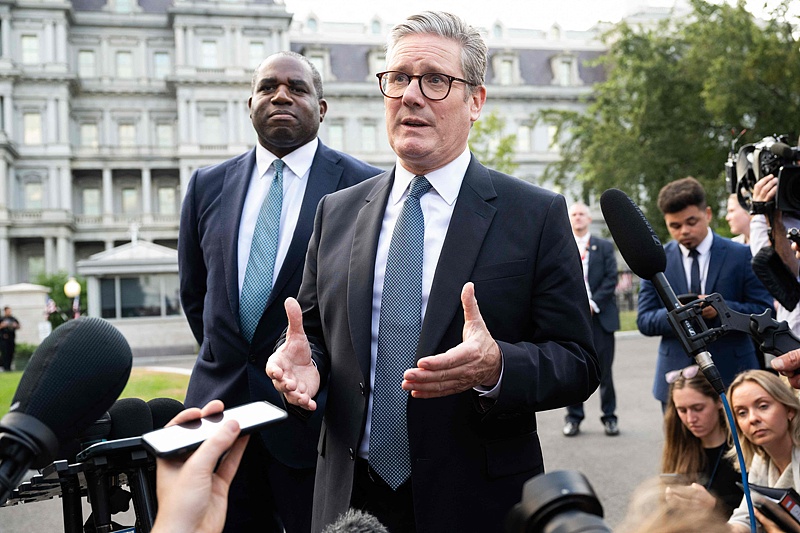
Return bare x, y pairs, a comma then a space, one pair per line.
298, 161
703, 248
446, 181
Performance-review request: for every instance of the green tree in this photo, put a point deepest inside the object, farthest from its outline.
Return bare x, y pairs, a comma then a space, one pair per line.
490, 146
671, 98
55, 282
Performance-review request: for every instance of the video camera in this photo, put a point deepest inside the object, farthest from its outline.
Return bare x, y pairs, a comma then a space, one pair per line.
771, 155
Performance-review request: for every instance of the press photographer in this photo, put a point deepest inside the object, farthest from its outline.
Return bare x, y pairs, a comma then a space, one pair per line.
765, 176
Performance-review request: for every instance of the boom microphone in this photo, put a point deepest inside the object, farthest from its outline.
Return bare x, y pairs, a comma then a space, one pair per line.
642, 250
784, 150
72, 378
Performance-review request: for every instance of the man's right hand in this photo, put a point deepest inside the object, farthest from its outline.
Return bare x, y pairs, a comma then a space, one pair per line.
291, 369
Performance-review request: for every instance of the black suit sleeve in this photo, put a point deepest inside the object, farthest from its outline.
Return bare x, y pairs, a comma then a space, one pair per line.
191, 263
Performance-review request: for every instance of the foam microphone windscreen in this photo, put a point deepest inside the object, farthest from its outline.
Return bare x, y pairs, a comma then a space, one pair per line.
130, 417
164, 410
73, 377
783, 150
633, 235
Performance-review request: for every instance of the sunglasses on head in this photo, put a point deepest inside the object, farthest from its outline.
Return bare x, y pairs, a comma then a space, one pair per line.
686, 373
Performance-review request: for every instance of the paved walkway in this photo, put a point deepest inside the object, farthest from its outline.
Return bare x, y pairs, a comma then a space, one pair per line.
613, 465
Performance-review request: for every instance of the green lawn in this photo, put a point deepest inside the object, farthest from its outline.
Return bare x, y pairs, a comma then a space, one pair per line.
144, 384
627, 320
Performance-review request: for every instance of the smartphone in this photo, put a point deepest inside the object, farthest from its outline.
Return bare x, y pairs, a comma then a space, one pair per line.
182, 438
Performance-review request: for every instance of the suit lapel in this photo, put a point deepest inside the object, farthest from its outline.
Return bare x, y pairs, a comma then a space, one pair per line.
675, 271
717, 259
361, 274
234, 189
323, 179
472, 217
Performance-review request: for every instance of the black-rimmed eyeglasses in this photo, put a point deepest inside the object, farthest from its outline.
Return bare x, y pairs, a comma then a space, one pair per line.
434, 85
686, 373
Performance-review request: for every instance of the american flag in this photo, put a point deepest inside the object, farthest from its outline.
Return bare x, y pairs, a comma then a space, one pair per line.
50, 307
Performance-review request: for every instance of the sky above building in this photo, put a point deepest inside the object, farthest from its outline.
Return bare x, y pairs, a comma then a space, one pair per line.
535, 14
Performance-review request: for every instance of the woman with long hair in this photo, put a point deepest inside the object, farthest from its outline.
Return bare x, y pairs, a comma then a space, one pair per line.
697, 441
765, 410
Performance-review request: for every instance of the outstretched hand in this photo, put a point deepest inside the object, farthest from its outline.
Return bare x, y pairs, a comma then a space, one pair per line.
476, 361
291, 368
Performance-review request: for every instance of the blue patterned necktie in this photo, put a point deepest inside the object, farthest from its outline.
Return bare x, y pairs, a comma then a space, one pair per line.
694, 271
257, 284
398, 334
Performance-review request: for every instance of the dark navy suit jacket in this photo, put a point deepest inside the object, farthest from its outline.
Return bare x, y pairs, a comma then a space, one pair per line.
228, 367
729, 274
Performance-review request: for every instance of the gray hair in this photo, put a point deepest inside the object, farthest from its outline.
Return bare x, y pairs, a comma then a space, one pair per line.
315, 76
474, 52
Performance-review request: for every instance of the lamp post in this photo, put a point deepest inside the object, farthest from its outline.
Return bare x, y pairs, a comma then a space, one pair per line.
72, 289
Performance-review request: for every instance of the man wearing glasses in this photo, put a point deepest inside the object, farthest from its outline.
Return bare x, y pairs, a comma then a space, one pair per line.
442, 306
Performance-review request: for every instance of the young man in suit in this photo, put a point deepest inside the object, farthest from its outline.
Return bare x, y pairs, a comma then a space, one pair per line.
700, 262
245, 226
600, 277
430, 419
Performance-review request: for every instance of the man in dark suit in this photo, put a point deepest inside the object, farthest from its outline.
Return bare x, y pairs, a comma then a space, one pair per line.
430, 419
600, 277
700, 262
233, 282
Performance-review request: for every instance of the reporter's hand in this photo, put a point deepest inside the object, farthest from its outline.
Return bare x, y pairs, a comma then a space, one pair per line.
192, 495
787, 364
690, 497
291, 368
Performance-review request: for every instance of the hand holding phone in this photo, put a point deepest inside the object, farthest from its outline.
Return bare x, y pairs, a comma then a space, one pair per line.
175, 440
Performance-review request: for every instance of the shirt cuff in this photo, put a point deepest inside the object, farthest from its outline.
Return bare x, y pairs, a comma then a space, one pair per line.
493, 392
594, 306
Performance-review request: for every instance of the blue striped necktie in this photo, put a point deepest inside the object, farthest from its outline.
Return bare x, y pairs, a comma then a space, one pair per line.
398, 334
257, 284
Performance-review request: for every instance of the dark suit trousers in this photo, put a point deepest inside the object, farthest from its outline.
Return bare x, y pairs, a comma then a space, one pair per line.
253, 507
604, 345
6, 353
394, 509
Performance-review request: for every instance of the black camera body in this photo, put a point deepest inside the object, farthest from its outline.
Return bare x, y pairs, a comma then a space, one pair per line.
770, 155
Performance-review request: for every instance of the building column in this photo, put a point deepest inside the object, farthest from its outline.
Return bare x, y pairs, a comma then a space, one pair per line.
65, 178
8, 116
61, 43
108, 196
233, 138
108, 244
147, 200
189, 46
5, 36
192, 122
143, 61
239, 53
63, 120
53, 199
62, 254
186, 174
49, 255
180, 46
5, 261
51, 117
4, 186
49, 42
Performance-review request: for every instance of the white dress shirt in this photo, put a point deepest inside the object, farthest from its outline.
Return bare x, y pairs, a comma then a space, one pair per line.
584, 251
704, 249
297, 166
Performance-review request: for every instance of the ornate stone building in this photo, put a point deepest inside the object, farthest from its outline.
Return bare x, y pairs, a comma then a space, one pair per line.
107, 106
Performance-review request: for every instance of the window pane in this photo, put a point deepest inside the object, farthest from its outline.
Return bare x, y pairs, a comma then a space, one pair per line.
212, 130
33, 195
140, 296
319, 63
524, 138
127, 134
164, 135
166, 201
172, 301
130, 201
35, 266
108, 303
124, 65
505, 72
89, 135
30, 49
368, 134
91, 202
565, 72
208, 54
161, 66
256, 53
32, 126
336, 136
123, 6
86, 64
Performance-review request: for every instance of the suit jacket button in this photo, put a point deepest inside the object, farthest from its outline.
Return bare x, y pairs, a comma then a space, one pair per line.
253, 359
361, 386
352, 454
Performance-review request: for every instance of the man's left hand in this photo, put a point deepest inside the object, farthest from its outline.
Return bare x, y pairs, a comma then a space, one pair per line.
474, 362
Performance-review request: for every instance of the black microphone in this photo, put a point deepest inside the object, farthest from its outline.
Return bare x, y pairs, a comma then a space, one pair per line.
642, 250
784, 150
72, 378
164, 410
